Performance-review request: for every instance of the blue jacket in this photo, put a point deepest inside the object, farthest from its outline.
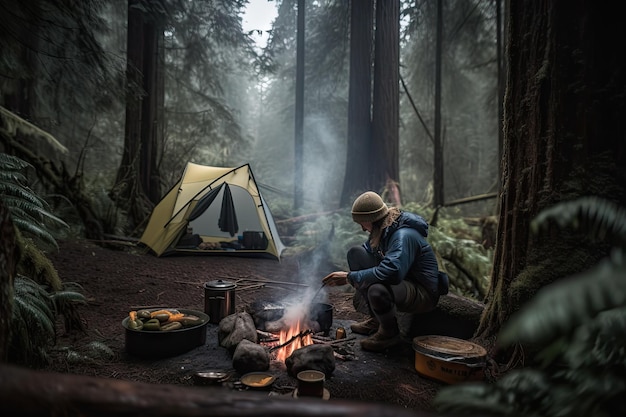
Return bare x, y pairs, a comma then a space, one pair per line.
404, 253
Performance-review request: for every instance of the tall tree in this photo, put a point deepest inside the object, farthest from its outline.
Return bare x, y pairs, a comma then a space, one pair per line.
438, 145
137, 176
384, 159
299, 109
56, 74
356, 178
563, 138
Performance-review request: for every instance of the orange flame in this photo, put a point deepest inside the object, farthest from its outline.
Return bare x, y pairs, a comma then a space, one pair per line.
286, 335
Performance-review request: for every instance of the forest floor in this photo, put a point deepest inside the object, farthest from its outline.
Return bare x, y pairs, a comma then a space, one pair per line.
117, 280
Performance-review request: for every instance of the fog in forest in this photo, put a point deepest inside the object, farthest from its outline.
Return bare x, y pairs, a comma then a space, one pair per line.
228, 101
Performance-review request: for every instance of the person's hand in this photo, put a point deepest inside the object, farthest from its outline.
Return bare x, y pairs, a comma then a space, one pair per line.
335, 279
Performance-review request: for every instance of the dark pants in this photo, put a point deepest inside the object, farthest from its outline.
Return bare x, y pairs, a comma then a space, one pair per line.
381, 300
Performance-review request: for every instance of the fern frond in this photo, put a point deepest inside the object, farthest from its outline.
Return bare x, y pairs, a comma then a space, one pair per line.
12, 163
36, 231
20, 197
30, 213
593, 344
11, 178
600, 219
32, 323
564, 305
519, 393
68, 297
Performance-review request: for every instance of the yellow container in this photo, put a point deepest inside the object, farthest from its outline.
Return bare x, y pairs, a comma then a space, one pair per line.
448, 359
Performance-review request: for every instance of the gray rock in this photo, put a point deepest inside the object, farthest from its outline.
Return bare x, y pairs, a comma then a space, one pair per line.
317, 357
250, 357
234, 328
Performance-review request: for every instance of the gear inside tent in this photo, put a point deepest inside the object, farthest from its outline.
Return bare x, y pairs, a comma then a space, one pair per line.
213, 210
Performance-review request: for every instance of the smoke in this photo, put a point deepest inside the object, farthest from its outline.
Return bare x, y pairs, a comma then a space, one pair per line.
324, 158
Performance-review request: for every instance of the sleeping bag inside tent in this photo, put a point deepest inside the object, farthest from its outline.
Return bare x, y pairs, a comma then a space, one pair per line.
213, 210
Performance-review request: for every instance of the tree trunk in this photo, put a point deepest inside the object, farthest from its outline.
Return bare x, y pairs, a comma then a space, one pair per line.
33, 393
152, 119
438, 148
384, 158
299, 122
564, 138
356, 178
137, 186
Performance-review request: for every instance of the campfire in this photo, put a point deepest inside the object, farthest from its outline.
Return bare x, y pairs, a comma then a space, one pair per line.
294, 332
292, 340
288, 327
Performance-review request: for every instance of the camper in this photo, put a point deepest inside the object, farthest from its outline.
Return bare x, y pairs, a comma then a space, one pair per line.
213, 210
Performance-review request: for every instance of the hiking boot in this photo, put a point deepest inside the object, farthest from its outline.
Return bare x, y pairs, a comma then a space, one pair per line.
367, 327
380, 341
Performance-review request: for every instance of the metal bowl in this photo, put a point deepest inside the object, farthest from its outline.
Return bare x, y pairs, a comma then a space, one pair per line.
156, 344
209, 377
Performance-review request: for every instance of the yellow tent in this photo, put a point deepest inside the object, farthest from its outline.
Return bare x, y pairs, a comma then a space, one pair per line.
213, 210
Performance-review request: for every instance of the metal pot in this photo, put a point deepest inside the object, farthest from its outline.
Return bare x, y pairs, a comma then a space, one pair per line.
156, 344
219, 299
323, 314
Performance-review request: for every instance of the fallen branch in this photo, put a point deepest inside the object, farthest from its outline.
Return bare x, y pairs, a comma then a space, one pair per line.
329, 341
275, 282
250, 287
345, 339
265, 334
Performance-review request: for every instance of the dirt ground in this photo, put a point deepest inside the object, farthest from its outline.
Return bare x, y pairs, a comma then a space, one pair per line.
118, 279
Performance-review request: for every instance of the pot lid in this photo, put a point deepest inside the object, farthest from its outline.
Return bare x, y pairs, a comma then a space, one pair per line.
449, 349
220, 284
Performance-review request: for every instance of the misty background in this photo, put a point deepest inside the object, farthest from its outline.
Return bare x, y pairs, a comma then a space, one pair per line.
230, 97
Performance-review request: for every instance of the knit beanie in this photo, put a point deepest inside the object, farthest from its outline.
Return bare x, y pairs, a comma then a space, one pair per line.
368, 207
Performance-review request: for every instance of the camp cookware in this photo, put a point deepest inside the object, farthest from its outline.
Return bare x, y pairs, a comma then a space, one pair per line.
311, 383
323, 314
211, 376
448, 359
162, 344
219, 299
258, 379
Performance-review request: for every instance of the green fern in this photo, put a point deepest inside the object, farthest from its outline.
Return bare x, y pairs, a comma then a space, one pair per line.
35, 310
30, 213
559, 308
579, 326
600, 219
32, 323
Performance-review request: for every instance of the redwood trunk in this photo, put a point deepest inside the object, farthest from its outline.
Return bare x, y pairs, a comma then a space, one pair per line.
564, 138
356, 178
385, 156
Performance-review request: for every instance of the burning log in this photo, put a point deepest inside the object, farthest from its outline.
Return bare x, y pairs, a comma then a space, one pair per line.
284, 324
267, 337
298, 336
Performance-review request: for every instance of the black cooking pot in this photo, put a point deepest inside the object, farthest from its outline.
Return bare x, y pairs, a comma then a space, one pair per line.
323, 314
158, 344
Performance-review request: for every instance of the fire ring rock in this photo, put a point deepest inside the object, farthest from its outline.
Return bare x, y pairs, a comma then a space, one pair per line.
250, 357
235, 328
316, 357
